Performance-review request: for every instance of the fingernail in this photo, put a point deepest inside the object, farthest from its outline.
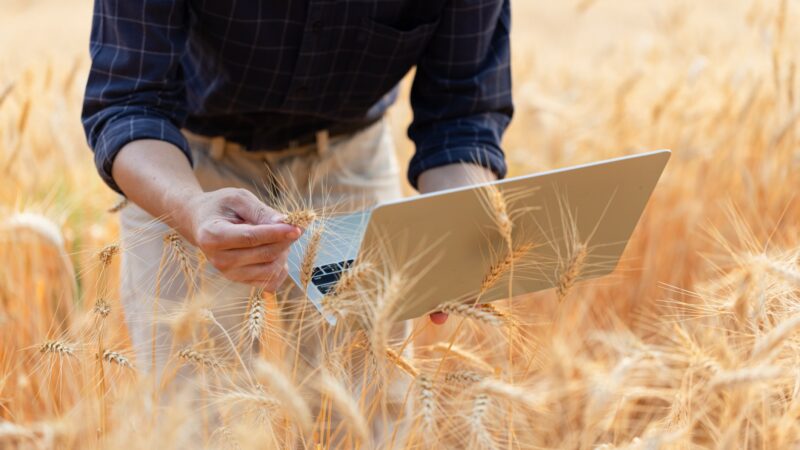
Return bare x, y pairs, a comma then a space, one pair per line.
294, 234
279, 218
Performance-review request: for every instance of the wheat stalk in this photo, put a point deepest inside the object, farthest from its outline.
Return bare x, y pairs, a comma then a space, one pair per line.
401, 363
744, 377
463, 355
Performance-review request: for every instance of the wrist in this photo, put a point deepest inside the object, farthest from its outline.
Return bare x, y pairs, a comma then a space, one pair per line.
182, 206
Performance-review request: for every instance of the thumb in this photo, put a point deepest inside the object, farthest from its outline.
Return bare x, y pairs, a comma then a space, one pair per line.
255, 212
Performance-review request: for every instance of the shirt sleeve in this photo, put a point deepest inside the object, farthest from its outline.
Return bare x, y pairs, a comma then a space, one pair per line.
461, 95
135, 87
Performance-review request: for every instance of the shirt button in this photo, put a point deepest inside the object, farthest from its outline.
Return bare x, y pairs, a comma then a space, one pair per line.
317, 26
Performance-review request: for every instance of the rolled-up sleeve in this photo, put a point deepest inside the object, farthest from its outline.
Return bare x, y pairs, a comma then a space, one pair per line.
135, 87
461, 95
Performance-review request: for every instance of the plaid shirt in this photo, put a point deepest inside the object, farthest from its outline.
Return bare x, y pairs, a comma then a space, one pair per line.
266, 73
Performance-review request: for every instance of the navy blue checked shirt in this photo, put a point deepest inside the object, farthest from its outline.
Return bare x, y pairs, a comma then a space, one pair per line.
266, 73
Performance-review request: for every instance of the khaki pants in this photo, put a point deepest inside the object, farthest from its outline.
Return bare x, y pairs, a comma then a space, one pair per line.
352, 171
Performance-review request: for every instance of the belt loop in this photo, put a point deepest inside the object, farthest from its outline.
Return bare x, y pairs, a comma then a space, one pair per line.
323, 142
217, 148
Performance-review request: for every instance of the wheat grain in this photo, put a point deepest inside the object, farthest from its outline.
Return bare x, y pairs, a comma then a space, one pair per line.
117, 358
301, 219
119, 206
198, 358
59, 348
102, 308
463, 377
107, 254
477, 313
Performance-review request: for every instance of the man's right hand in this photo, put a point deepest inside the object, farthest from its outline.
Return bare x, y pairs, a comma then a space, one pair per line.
241, 236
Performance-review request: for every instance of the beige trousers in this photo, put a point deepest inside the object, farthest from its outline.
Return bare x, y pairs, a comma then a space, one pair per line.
351, 172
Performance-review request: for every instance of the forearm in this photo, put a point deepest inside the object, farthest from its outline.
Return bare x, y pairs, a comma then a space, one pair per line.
453, 176
157, 177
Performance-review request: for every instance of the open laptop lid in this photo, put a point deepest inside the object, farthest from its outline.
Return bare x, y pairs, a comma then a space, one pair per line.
445, 243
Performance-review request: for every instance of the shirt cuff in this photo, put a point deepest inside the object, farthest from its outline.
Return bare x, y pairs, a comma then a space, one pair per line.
489, 157
119, 132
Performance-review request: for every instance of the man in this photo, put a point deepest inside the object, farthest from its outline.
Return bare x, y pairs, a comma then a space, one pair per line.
188, 100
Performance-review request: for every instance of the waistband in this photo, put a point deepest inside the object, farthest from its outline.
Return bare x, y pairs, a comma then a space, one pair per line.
319, 143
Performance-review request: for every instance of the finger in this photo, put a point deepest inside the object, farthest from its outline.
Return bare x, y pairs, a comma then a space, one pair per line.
223, 235
439, 318
254, 211
262, 254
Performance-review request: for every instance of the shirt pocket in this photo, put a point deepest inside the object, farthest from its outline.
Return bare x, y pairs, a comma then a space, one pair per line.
383, 56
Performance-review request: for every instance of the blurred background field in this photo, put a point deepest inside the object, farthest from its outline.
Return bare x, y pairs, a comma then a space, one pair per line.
711, 271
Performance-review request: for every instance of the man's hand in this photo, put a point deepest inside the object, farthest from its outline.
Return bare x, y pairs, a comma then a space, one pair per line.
242, 237
239, 234
448, 177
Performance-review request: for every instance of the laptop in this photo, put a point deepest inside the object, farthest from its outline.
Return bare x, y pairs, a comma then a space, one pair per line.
446, 242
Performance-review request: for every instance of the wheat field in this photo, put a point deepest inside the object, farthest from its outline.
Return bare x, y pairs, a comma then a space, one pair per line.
693, 342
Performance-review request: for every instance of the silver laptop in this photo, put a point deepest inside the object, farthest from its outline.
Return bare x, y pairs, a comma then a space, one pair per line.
447, 241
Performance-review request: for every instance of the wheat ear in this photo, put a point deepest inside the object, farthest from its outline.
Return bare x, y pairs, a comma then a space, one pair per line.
59, 348
501, 268
480, 405
427, 402
771, 342
117, 358
310, 256
286, 393
256, 317
571, 271
198, 358
346, 405
477, 313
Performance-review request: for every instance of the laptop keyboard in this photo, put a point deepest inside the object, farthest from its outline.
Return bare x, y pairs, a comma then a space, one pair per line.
325, 277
